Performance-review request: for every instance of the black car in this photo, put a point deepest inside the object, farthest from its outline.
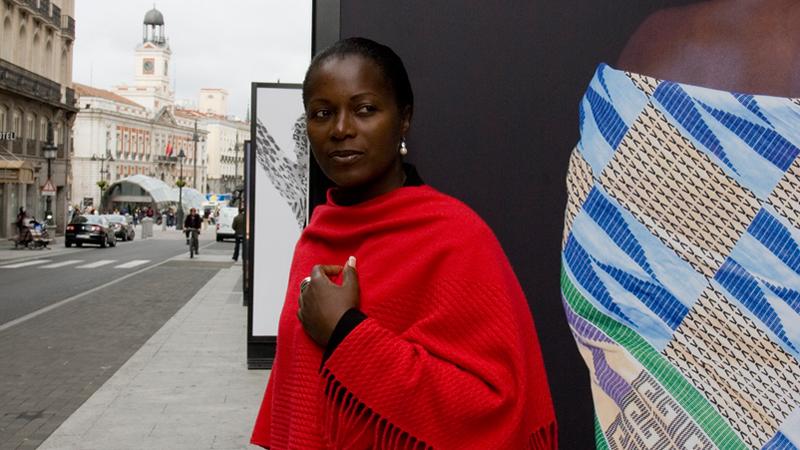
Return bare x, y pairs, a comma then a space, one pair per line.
89, 229
122, 228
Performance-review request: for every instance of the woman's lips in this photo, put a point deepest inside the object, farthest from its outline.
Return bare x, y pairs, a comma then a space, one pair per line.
345, 156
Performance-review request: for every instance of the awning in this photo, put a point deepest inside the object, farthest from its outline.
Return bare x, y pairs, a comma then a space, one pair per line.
17, 171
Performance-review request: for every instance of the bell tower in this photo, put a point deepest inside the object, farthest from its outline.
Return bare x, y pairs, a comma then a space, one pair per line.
151, 88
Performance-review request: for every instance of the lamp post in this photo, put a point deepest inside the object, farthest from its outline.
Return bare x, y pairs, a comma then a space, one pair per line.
235, 162
49, 152
103, 171
180, 183
195, 139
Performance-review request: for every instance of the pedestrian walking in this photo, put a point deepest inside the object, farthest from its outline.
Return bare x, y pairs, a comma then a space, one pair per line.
238, 233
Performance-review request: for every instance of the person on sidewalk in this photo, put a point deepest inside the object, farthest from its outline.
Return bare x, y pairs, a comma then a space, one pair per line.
193, 220
431, 343
238, 233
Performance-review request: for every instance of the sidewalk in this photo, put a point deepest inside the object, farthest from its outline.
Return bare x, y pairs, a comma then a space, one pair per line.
188, 387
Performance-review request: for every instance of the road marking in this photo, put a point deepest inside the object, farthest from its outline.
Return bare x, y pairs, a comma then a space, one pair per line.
62, 264
25, 264
46, 309
132, 264
94, 265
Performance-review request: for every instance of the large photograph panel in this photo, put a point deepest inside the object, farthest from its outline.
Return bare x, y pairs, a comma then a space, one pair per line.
279, 203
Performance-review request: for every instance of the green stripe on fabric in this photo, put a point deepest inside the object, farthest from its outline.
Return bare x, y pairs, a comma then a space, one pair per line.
705, 415
599, 437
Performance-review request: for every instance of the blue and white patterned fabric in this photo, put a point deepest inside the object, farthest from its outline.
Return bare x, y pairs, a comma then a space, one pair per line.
681, 264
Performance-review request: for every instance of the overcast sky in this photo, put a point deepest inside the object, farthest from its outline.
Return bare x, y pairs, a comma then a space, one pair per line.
220, 44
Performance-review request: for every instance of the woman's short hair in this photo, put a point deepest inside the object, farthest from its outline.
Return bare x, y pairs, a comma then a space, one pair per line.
384, 57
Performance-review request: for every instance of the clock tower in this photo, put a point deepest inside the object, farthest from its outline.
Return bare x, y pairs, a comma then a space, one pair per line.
151, 88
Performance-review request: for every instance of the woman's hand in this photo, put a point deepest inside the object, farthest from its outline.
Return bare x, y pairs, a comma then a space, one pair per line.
322, 303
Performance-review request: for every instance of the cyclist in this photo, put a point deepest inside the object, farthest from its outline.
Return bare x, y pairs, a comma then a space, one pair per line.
192, 222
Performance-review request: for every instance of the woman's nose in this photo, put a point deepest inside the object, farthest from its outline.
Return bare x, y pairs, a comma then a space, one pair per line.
343, 126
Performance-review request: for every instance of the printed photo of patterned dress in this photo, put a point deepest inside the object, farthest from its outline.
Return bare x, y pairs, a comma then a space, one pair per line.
681, 264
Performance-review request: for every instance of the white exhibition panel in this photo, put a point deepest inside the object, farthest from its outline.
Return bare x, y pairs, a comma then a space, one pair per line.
275, 229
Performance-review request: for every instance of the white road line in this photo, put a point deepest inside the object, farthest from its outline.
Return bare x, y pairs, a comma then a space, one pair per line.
132, 264
94, 265
62, 264
46, 309
25, 264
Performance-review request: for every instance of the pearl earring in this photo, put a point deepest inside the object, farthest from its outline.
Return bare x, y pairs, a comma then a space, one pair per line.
403, 148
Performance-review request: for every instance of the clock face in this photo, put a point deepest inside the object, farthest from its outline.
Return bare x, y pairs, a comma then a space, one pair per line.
148, 66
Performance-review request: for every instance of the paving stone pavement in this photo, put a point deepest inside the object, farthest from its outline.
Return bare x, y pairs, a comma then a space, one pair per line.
187, 387
54, 362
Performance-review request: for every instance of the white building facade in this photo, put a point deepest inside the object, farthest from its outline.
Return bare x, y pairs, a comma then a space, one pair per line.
36, 45
213, 101
225, 149
116, 136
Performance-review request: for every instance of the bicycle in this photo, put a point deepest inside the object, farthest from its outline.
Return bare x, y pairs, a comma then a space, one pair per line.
193, 242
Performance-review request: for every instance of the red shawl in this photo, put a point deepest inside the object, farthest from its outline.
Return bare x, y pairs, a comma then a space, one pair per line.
448, 357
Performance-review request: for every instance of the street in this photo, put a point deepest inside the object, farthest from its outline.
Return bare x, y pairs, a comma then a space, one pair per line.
69, 318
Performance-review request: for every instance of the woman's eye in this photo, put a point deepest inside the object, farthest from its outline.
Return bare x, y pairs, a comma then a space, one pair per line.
321, 114
366, 109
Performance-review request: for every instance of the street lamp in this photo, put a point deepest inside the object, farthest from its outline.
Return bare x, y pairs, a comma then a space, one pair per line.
103, 172
196, 139
180, 183
236, 162
49, 152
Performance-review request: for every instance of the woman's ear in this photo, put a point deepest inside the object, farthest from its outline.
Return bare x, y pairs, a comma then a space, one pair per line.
405, 119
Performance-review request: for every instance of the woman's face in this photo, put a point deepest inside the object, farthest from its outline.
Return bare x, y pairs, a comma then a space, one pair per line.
355, 126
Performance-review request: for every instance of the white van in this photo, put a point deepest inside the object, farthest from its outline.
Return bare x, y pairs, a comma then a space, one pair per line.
224, 222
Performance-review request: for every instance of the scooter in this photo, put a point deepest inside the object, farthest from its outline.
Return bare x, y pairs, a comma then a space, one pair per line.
33, 235
40, 238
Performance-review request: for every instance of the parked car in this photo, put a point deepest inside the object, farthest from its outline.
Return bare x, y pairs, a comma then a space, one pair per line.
224, 222
123, 229
89, 229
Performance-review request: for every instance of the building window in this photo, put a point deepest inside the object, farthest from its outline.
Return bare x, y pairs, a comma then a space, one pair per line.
22, 48
42, 129
30, 131
17, 123
7, 50
3, 115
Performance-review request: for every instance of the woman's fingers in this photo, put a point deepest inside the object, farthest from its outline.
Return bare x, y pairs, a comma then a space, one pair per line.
325, 270
349, 274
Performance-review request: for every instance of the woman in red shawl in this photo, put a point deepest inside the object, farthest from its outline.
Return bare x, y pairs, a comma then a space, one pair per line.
429, 343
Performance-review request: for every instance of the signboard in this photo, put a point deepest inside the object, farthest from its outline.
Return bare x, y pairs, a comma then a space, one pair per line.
277, 174
49, 189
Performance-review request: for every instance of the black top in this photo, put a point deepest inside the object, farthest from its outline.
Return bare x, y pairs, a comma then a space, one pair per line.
353, 317
193, 221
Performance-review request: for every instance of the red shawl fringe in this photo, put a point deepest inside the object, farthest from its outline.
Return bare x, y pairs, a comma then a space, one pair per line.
343, 411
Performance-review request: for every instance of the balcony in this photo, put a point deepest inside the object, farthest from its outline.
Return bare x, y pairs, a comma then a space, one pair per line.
55, 18
17, 79
68, 26
44, 8
69, 97
32, 147
16, 146
30, 4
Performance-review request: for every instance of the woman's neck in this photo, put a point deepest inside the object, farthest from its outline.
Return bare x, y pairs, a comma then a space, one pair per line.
383, 184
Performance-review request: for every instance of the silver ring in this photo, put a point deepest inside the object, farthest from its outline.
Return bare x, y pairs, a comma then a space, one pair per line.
304, 284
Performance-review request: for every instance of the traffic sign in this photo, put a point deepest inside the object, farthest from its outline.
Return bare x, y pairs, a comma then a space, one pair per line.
49, 189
